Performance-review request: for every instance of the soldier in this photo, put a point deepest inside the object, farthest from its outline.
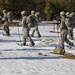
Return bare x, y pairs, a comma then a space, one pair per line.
5, 26
34, 23
64, 31
69, 26
25, 29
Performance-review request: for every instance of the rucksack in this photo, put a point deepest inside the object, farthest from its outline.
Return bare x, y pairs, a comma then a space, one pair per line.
38, 16
72, 19
10, 17
57, 17
31, 20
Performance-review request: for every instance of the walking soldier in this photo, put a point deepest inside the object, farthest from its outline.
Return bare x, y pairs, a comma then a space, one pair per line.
25, 29
64, 31
5, 26
32, 22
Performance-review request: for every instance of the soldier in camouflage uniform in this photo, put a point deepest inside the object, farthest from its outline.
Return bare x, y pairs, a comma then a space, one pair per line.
64, 31
69, 26
25, 29
6, 23
34, 22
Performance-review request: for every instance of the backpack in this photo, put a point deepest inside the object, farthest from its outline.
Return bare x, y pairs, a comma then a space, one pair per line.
38, 16
57, 17
31, 20
10, 17
72, 19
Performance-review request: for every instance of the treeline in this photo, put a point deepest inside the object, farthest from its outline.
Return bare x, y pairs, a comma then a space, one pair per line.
55, 6
47, 7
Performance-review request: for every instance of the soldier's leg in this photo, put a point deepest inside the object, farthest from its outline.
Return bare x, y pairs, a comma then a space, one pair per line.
31, 41
37, 31
33, 31
3, 27
67, 40
62, 41
24, 36
24, 41
71, 34
6, 29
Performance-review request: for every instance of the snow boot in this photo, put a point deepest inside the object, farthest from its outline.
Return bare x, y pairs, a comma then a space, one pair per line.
32, 44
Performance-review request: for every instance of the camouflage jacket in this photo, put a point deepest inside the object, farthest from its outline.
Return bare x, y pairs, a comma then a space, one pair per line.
63, 25
24, 22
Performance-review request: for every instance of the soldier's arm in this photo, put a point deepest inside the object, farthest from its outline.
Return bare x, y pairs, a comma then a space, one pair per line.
62, 24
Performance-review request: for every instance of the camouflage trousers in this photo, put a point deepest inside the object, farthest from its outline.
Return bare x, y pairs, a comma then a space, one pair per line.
26, 36
64, 39
35, 29
6, 28
70, 32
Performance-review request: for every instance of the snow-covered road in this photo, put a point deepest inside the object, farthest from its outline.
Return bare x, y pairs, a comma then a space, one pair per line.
25, 60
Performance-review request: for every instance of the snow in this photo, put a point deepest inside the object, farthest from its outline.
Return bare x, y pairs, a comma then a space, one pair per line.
25, 60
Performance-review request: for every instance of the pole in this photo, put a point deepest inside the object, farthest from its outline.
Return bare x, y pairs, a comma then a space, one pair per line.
19, 34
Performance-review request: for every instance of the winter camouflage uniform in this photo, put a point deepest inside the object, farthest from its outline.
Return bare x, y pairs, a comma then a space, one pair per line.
69, 26
64, 31
25, 29
6, 23
34, 23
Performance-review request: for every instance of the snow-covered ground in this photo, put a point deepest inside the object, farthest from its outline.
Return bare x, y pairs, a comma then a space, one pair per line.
25, 60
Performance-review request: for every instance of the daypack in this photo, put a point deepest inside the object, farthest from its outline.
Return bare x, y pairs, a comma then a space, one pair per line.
10, 17
72, 19
38, 16
31, 20
57, 17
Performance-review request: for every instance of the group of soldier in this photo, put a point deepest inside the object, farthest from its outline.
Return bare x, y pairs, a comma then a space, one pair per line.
66, 28
28, 22
32, 21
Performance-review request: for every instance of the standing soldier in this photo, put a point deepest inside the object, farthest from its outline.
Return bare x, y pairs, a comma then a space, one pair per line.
69, 26
33, 21
25, 29
64, 31
6, 23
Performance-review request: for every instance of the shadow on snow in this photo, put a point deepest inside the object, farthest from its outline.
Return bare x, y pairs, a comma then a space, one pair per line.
30, 58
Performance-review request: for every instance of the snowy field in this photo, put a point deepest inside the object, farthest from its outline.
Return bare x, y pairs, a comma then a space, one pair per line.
25, 60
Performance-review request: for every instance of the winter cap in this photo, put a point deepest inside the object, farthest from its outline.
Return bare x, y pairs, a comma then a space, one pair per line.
67, 13
32, 12
23, 12
4, 11
62, 13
